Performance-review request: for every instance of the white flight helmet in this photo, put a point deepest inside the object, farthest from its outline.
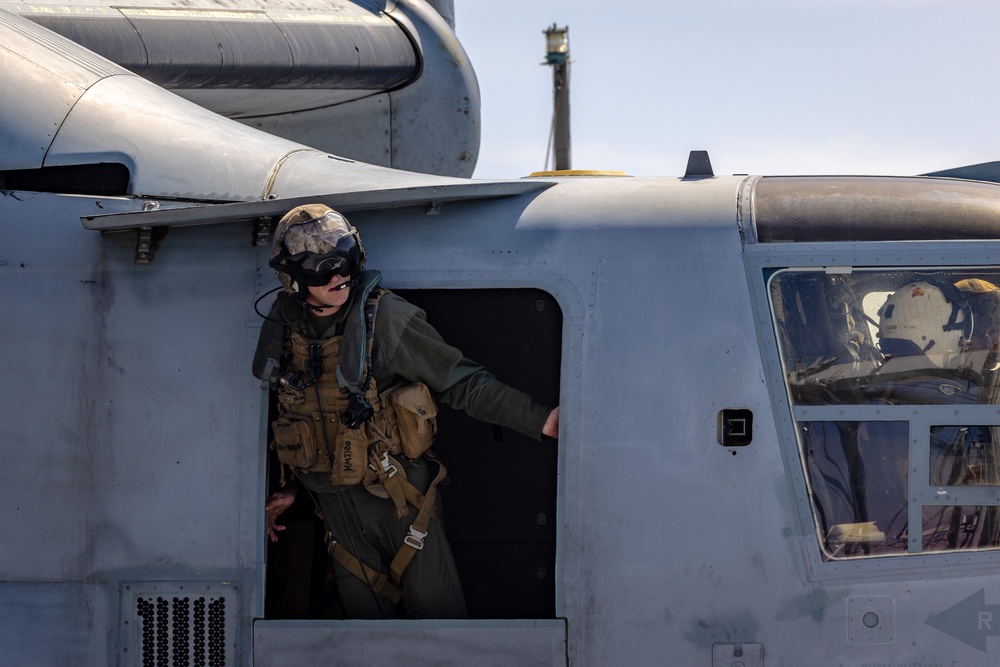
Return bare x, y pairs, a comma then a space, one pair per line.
921, 318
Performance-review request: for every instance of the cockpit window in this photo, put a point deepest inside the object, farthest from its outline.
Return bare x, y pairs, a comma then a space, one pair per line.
891, 376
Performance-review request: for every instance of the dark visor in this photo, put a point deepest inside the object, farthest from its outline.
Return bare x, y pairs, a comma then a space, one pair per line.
315, 270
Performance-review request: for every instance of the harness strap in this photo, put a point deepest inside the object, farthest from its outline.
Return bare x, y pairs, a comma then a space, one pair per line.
380, 582
414, 541
391, 481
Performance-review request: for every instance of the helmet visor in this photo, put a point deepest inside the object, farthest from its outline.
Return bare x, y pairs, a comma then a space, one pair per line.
315, 269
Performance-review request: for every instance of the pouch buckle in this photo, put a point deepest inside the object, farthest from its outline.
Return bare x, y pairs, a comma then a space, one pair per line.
388, 467
415, 538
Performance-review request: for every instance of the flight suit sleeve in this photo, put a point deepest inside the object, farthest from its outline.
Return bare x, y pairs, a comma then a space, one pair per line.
412, 349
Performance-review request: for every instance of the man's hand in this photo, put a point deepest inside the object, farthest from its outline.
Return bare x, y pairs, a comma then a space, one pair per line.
551, 426
275, 505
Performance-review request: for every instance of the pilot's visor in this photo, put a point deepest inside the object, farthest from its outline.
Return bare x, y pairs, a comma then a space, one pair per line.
314, 269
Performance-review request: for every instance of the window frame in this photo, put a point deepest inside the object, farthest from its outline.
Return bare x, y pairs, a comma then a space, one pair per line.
762, 262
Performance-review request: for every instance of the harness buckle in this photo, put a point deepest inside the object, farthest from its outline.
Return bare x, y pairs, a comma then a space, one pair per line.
415, 538
388, 467
295, 381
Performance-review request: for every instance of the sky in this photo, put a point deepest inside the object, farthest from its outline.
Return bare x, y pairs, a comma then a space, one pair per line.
765, 86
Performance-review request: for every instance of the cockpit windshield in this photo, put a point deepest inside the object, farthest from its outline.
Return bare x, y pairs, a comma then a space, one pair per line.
893, 378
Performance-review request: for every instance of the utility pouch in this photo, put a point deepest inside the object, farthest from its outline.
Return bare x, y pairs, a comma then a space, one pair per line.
294, 442
350, 456
416, 416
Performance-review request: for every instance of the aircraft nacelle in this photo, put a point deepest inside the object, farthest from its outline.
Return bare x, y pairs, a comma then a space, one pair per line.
382, 83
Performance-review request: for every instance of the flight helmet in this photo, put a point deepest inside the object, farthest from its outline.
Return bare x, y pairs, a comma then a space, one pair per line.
312, 244
925, 318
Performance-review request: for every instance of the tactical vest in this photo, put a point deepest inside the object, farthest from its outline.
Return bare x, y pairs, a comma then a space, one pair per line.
317, 389
310, 435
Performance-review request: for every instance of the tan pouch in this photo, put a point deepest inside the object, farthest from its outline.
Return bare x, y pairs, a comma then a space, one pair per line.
294, 442
416, 416
350, 456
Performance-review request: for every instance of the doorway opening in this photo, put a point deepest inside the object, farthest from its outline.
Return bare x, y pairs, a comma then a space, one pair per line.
500, 495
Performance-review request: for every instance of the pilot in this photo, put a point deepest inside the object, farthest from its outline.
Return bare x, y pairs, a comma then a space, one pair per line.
357, 371
931, 355
923, 325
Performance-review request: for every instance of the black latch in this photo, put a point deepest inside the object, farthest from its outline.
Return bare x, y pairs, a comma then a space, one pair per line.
735, 427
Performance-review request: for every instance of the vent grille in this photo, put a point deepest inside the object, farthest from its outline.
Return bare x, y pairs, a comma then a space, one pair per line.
178, 625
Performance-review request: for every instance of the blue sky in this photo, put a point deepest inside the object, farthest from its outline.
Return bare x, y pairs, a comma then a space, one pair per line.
767, 87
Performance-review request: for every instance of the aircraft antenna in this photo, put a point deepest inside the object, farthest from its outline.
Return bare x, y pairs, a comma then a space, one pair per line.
557, 56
